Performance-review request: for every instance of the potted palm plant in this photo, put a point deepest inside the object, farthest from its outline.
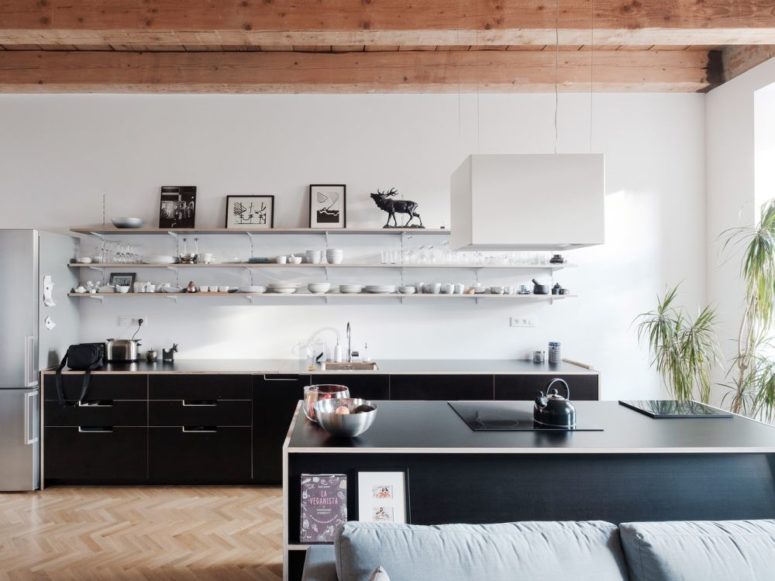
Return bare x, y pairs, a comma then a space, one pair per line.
751, 378
684, 350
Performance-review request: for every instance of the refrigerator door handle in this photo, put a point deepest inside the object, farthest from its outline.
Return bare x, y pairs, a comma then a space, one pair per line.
29, 362
29, 418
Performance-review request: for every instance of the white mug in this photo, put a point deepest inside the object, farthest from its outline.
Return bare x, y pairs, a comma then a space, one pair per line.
281, 259
204, 289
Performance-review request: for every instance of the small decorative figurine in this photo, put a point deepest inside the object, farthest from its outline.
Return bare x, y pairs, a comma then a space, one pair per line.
393, 207
168, 355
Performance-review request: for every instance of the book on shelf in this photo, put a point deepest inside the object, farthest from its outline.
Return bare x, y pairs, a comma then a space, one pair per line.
323, 506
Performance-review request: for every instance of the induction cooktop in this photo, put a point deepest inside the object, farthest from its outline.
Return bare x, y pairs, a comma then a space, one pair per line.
504, 416
671, 409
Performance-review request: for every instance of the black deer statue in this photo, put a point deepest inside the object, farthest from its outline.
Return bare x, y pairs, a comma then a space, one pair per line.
387, 204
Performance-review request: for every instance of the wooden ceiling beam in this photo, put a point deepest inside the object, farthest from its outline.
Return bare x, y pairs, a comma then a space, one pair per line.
385, 22
422, 71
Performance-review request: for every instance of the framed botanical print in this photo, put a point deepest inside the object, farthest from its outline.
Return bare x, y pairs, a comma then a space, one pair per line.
382, 497
249, 212
327, 206
177, 208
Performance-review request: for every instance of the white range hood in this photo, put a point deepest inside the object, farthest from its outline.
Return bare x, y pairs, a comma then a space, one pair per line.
528, 202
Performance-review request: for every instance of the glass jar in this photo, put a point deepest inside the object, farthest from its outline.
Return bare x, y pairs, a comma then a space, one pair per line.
314, 393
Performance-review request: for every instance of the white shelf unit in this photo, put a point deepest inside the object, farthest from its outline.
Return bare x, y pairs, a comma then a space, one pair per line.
324, 297
403, 233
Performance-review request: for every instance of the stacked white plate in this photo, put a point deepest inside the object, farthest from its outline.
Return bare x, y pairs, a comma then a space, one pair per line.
380, 288
283, 288
159, 259
350, 289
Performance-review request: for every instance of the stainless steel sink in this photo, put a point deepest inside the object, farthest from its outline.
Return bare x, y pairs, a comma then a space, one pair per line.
351, 366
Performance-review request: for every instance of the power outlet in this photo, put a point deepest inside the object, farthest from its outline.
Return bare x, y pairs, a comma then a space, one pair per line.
521, 322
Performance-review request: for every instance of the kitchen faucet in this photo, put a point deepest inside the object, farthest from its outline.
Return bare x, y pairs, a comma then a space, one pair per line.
349, 344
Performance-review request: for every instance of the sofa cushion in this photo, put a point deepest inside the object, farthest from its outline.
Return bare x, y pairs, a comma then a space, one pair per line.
522, 551
700, 550
319, 564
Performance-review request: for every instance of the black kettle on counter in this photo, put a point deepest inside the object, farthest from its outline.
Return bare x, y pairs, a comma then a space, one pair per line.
552, 410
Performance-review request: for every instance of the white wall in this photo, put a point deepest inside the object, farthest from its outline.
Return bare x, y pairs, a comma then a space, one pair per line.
731, 127
764, 137
58, 154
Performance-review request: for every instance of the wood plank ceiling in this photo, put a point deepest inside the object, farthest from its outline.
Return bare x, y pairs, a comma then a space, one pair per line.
379, 45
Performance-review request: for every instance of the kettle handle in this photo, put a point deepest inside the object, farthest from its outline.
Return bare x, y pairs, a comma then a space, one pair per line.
559, 380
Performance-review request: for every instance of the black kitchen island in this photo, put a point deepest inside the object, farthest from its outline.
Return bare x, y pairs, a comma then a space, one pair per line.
633, 468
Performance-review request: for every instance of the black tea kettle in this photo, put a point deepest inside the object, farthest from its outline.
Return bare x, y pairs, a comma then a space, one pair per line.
552, 410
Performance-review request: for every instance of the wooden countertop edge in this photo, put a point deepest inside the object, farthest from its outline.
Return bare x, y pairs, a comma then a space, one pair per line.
530, 450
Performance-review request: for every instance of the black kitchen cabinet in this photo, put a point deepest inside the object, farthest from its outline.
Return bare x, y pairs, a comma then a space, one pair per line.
361, 385
95, 455
102, 386
96, 413
526, 387
213, 412
441, 387
199, 387
199, 455
274, 400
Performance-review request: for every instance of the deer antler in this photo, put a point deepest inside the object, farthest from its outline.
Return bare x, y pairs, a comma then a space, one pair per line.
392, 192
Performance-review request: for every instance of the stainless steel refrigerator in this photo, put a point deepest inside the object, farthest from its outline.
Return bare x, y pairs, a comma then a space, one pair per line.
37, 323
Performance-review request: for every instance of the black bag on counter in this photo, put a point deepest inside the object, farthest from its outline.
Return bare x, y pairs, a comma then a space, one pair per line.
83, 357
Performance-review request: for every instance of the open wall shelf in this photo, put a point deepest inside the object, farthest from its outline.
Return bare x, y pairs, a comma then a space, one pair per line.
272, 265
112, 231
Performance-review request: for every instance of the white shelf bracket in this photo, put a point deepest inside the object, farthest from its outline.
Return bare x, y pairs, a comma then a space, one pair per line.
249, 298
99, 269
95, 297
171, 298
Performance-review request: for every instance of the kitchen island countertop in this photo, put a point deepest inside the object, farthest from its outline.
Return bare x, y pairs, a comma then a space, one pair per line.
385, 367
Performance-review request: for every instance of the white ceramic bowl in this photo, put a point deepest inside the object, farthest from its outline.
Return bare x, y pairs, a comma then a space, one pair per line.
294, 260
84, 260
334, 255
283, 290
127, 222
254, 288
350, 288
407, 290
319, 287
380, 288
122, 289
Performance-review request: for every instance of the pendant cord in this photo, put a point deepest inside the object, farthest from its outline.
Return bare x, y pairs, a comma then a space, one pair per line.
591, 76
556, 73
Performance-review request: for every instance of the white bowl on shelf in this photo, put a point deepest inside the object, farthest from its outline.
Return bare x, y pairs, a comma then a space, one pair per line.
319, 287
127, 222
350, 289
84, 260
380, 288
254, 289
122, 289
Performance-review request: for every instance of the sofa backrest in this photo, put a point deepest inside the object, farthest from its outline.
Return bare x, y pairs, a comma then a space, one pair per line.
524, 551
706, 550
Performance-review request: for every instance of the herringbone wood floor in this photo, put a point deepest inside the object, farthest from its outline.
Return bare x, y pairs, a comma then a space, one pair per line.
154, 533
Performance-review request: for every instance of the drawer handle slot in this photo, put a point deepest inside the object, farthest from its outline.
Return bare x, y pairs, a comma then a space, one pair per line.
95, 404
197, 403
92, 430
199, 430
280, 378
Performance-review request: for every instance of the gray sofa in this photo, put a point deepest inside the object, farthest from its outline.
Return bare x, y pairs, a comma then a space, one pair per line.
550, 551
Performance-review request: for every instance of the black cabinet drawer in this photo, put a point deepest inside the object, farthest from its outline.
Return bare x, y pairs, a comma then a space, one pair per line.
441, 387
192, 455
102, 386
199, 387
274, 401
95, 455
201, 413
526, 387
96, 413
360, 385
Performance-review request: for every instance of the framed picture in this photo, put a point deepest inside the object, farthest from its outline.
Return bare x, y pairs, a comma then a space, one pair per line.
178, 207
382, 497
123, 279
323, 506
327, 206
250, 212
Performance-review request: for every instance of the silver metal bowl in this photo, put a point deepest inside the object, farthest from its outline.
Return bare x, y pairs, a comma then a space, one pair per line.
127, 222
345, 425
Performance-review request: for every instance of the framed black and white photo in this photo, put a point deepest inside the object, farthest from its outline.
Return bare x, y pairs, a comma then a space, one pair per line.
178, 207
123, 279
249, 212
327, 206
382, 497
